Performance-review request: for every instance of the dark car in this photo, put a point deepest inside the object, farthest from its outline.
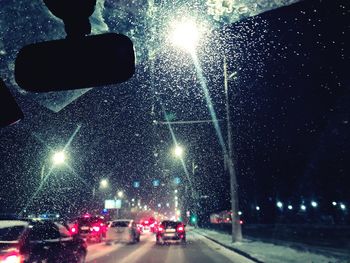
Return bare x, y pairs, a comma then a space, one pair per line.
171, 230
93, 228
32, 241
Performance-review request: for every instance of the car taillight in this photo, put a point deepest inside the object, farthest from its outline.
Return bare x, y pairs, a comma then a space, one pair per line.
13, 257
180, 229
95, 228
74, 230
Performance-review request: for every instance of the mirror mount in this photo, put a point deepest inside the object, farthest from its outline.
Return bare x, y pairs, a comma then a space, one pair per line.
75, 15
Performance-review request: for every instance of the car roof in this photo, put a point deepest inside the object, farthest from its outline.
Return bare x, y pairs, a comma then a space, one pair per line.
13, 223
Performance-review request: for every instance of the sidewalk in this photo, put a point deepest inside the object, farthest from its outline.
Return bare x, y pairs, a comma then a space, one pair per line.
260, 251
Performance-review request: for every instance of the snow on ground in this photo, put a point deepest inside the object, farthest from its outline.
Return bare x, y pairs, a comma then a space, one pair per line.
270, 253
229, 254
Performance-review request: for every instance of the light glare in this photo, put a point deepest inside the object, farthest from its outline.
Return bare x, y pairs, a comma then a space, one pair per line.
185, 35
178, 151
58, 157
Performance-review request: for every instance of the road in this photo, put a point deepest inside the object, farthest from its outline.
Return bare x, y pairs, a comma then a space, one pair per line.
197, 249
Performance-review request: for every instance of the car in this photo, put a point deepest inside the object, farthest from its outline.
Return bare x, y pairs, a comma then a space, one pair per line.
29, 241
171, 230
123, 230
91, 228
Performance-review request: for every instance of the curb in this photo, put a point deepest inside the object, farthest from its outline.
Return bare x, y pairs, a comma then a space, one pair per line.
240, 252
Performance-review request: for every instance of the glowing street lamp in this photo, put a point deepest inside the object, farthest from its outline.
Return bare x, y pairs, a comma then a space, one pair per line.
178, 151
120, 194
342, 206
279, 204
58, 158
303, 207
314, 204
185, 34
104, 183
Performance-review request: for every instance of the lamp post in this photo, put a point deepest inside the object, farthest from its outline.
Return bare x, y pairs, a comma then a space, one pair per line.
120, 195
178, 152
236, 226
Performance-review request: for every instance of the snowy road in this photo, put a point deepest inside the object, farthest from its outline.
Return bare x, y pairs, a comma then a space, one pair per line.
198, 249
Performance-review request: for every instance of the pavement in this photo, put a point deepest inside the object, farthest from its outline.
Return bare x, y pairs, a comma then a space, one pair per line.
197, 249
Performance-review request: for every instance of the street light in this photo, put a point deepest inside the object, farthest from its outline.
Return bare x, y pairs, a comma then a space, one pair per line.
178, 151
104, 183
314, 204
58, 158
279, 204
120, 194
185, 34
342, 206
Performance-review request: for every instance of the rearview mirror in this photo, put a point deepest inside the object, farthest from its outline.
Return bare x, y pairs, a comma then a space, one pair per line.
10, 112
75, 63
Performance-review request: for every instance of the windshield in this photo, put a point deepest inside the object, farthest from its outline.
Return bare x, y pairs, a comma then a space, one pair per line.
229, 117
120, 224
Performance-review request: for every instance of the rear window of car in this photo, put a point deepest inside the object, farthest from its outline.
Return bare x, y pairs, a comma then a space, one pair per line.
170, 224
120, 224
87, 221
11, 230
44, 231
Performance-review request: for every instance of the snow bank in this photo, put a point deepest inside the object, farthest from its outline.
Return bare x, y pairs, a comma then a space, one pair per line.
270, 253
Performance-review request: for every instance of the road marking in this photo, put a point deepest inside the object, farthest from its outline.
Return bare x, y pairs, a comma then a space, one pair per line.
139, 252
100, 250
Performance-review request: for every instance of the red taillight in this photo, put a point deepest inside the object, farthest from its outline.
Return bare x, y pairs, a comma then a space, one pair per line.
13, 257
74, 229
160, 229
241, 222
95, 228
180, 229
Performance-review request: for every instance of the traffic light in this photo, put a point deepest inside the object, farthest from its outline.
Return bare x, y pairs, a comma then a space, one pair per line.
193, 219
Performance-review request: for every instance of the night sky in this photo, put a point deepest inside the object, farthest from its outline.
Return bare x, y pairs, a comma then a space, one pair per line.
290, 118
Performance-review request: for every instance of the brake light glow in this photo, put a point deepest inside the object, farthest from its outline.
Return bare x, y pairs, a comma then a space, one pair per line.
13, 257
241, 222
95, 228
180, 229
73, 230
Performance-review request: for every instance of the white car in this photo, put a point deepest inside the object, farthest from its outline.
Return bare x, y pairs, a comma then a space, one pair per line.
122, 230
